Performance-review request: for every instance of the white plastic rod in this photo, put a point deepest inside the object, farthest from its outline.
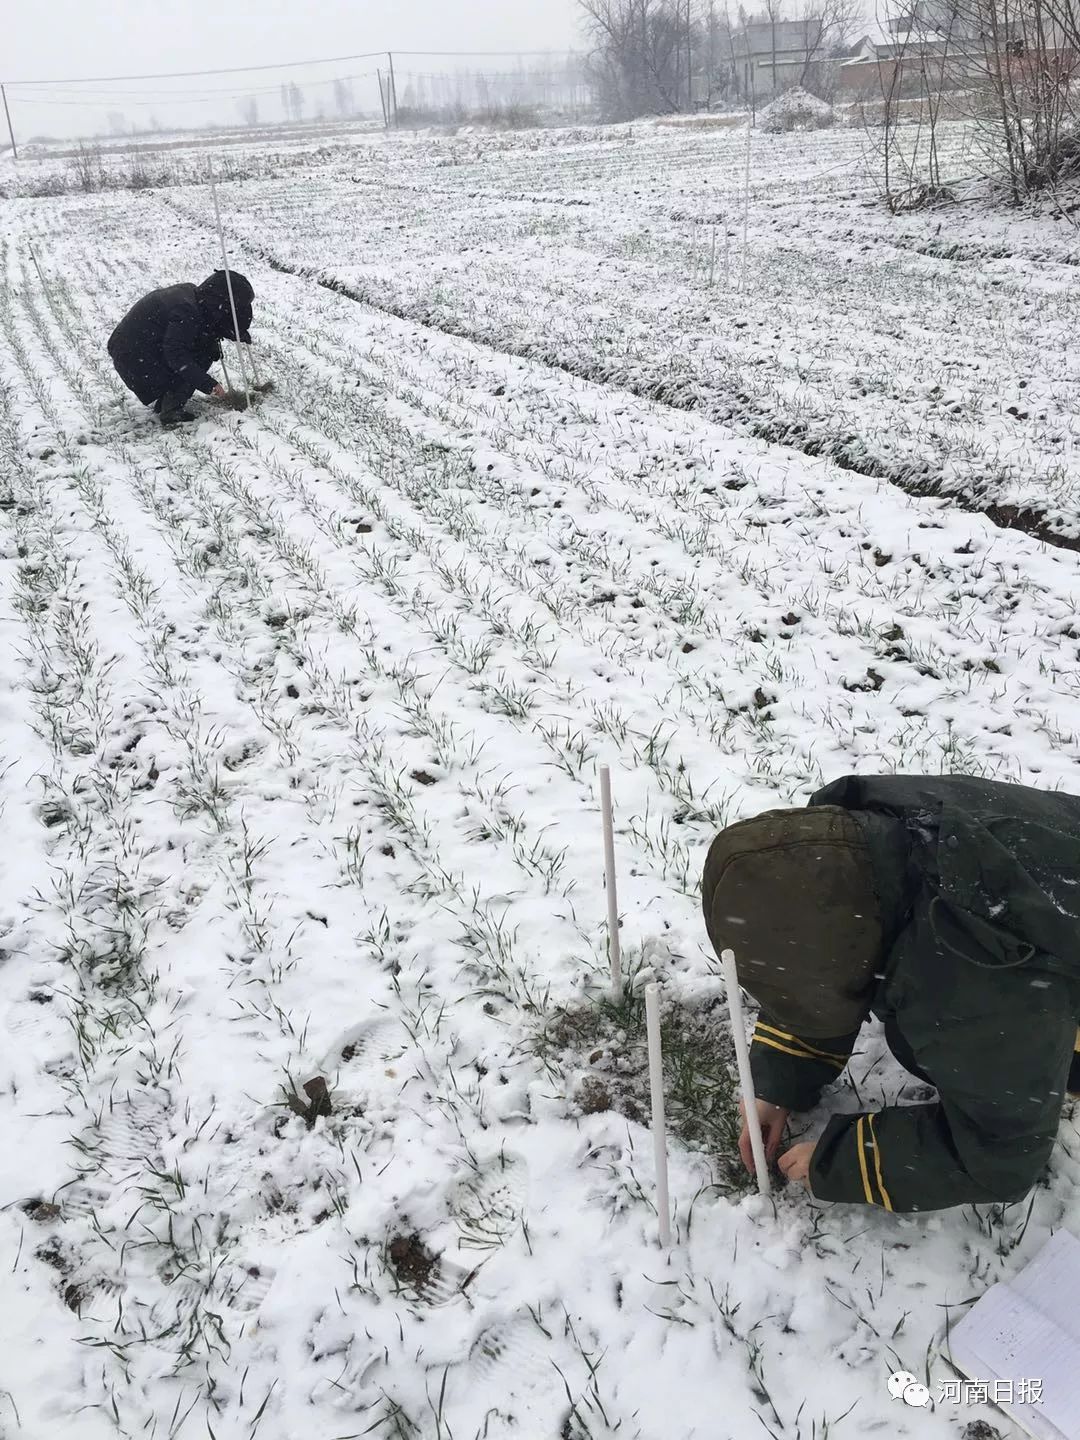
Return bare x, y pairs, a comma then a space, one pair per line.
746, 1082
228, 286
659, 1129
609, 881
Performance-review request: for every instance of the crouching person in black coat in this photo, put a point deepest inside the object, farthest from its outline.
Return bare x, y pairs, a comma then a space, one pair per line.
165, 344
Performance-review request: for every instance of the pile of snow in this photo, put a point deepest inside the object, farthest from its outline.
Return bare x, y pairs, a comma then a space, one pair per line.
796, 109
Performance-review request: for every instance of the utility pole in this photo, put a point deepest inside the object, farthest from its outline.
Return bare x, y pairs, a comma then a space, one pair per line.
393, 88
11, 132
382, 101
689, 61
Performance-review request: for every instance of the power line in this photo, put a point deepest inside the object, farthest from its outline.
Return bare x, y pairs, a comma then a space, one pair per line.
187, 74
468, 54
281, 65
159, 104
58, 96
469, 77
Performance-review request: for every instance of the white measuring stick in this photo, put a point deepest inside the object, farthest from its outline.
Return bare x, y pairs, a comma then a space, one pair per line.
609, 880
228, 286
659, 1131
746, 1081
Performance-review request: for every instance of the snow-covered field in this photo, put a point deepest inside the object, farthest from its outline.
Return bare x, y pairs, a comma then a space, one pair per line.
302, 714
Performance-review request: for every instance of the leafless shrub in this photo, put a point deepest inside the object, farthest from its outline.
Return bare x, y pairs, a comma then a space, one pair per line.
1011, 67
88, 168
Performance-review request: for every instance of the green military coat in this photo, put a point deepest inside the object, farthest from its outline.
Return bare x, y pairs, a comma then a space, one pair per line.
979, 990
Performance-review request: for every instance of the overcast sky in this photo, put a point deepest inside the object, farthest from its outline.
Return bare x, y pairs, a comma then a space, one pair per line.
82, 38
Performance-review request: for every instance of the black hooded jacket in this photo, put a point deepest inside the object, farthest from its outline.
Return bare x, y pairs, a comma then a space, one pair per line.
169, 337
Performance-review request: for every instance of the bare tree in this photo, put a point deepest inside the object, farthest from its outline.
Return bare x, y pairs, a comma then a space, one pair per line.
249, 110
343, 98
774, 11
1012, 65
296, 102
642, 51
828, 25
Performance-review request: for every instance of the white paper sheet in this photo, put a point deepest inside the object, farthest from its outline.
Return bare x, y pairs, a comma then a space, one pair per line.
1029, 1329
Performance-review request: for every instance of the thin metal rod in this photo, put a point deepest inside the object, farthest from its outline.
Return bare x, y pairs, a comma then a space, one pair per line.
746, 1080
229, 287
614, 949
746, 207
393, 87
37, 267
382, 102
11, 131
254, 366
659, 1129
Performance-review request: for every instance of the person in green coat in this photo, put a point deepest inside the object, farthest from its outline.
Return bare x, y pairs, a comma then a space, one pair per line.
949, 907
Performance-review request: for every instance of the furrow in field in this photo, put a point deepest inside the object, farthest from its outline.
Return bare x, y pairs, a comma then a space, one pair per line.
906, 403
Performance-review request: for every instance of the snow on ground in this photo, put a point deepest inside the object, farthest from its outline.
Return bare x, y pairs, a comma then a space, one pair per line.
299, 755
923, 349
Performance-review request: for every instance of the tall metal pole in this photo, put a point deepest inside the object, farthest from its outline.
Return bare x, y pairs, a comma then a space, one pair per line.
382, 102
689, 62
393, 87
229, 287
746, 193
11, 132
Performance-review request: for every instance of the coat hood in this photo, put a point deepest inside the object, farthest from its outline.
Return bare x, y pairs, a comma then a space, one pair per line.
213, 298
794, 894
1002, 862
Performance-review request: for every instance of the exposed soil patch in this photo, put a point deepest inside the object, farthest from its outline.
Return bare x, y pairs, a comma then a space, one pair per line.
603, 1045
412, 1262
41, 1211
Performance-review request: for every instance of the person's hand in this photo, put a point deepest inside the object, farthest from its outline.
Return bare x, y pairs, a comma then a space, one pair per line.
795, 1163
218, 392
772, 1118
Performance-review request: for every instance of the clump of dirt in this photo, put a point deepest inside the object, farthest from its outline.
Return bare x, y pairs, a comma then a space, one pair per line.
423, 778
604, 1043
41, 1211
592, 1096
53, 1254
318, 1101
412, 1262
980, 1430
